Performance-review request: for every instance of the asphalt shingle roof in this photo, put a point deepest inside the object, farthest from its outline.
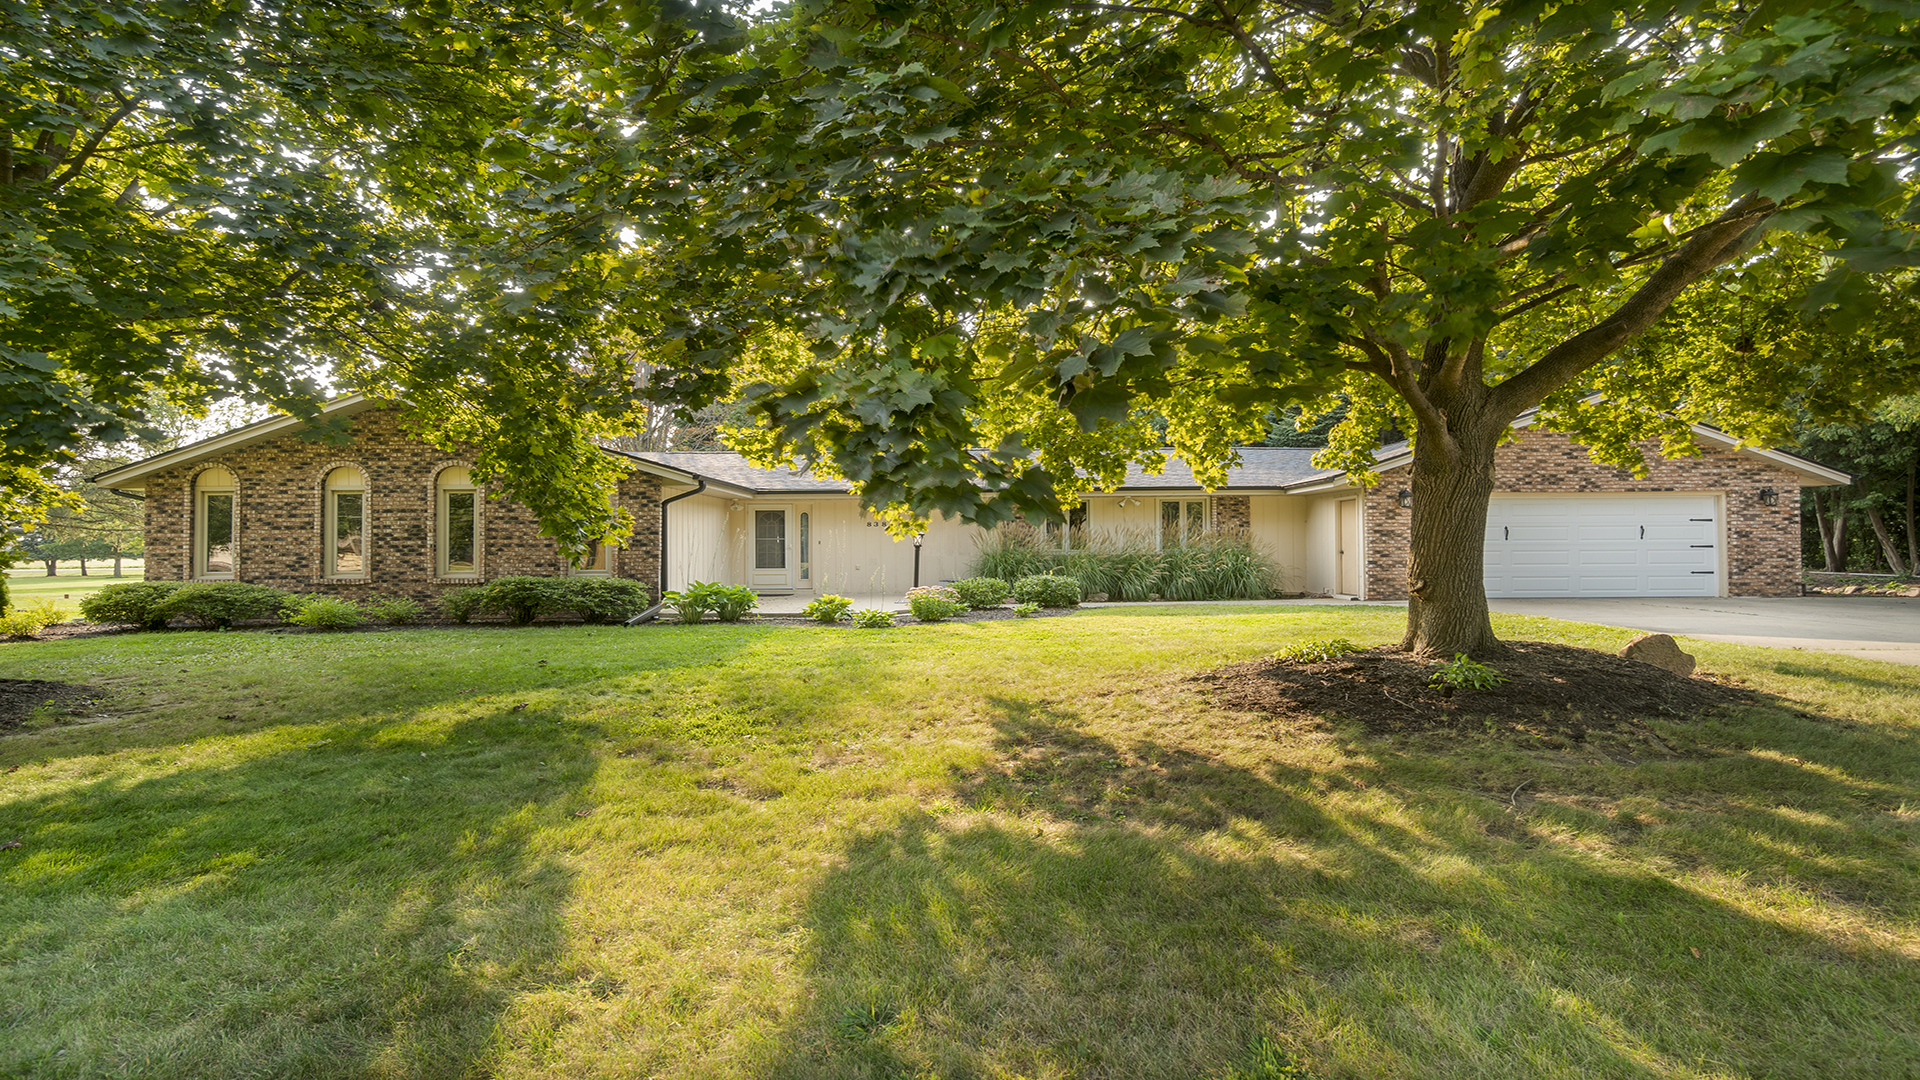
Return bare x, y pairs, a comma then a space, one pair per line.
1262, 467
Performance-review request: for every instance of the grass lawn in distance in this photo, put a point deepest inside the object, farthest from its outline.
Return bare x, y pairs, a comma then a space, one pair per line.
1002, 849
68, 588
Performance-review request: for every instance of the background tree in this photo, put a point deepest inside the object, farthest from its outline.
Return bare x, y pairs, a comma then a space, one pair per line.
1451, 214
257, 199
1883, 454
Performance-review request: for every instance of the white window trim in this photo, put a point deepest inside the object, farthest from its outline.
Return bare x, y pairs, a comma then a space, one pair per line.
1206, 519
327, 511
197, 552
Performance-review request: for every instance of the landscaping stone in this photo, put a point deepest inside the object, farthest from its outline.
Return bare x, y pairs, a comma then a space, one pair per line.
1660, 651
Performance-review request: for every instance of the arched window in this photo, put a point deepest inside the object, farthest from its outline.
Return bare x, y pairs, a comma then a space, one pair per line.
345, 504
458, 514
213, 532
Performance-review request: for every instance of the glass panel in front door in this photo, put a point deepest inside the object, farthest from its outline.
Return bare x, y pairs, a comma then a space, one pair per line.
769, 539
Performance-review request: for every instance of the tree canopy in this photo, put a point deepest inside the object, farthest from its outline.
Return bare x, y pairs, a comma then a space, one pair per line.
989, 218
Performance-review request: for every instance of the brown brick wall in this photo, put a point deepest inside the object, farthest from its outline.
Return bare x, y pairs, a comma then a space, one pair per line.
1231, 512
1763, 542
278, 525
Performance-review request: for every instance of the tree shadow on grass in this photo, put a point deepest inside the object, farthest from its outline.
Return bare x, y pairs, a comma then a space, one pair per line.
1153, 911
187, 686
365, 905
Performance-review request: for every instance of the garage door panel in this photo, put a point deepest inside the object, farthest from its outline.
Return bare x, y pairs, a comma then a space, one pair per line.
1602, 545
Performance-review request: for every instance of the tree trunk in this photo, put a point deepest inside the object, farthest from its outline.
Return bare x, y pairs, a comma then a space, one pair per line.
116, 563
1446, 568
1913, 535
83, 566
53, 567
1833, 532
1887, 547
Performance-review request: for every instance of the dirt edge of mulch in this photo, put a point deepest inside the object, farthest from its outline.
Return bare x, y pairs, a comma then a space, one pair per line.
1557, 690
21, 698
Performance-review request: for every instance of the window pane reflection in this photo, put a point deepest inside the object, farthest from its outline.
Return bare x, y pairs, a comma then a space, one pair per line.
218, 558
459, 532
348, 557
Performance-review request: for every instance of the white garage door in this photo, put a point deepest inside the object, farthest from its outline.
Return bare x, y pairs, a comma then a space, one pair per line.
1603, 545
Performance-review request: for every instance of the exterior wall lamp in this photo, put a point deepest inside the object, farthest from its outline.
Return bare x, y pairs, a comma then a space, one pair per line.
1405, 499
1769, 497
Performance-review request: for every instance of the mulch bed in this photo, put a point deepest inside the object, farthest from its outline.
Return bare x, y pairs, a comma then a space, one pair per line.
19, 698
1558, 688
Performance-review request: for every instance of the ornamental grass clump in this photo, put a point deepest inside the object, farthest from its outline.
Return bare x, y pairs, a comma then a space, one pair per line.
1132, 565
395, 610
327, 613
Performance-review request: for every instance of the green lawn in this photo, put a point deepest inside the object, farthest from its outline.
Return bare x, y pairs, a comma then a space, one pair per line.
1009, 849
69, 588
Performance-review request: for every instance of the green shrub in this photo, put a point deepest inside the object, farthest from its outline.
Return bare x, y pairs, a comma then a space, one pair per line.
828, 609
872, 619
28, 619
1461, 673
979, 593
524, 598
219, 604
609, 599
461, 605
934, 603
327, 613
1047, 590
1026, 611
395, 610
1312, 652
129, 603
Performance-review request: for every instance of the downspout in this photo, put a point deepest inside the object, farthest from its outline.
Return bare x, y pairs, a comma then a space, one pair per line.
648, 614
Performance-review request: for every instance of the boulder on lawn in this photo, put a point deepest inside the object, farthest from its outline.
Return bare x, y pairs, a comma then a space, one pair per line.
1660, 651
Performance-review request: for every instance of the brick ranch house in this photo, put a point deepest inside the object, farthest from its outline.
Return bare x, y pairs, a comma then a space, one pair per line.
386, 513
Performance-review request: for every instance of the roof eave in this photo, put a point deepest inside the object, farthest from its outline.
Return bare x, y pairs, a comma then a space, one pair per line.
133, 476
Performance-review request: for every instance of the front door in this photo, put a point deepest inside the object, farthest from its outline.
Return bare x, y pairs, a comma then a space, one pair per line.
772, 549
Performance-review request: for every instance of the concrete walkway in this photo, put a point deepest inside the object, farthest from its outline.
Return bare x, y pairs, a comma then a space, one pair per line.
1875, 627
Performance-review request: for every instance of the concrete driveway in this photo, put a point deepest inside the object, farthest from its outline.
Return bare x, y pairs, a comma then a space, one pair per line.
1876, 627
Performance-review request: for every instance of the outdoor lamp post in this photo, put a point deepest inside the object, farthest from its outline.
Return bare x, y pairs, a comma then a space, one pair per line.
917, 537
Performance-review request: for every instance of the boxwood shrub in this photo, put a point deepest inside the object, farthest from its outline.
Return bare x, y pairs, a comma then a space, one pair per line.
219, 604
599, 600
129, 603
1048, 590
981, 592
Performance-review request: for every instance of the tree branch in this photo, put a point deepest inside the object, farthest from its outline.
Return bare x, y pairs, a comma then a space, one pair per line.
1710, 246
73, 168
